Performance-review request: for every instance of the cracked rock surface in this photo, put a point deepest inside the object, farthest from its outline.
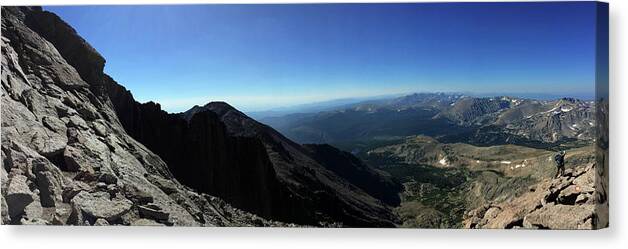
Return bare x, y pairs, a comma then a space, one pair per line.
567, 202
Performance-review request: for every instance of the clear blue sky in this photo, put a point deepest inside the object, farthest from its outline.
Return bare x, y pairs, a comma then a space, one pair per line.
263, 56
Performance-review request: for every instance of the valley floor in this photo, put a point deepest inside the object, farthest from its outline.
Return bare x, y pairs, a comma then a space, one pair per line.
443, 182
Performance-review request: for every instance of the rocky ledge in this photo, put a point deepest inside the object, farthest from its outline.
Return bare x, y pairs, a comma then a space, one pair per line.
567, 202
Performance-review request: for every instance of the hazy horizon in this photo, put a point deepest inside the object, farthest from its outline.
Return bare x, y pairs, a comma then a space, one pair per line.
260, 57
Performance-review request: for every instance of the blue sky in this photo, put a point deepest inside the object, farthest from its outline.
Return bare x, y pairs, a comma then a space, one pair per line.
259, 57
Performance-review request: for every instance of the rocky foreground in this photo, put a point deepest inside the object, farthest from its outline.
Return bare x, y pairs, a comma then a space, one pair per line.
567, 202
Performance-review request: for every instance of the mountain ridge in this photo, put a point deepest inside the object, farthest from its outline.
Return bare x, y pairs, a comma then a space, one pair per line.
537, 123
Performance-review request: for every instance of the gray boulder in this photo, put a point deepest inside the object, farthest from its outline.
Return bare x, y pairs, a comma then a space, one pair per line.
4, 211
101, 222
54, 124
18, 195
92, 207
154, 212
561, 217
49, 182
145, 222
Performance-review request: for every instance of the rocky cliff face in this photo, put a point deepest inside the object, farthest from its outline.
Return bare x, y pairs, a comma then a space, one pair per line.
219, 150
74, 143
66, 158
201, 154
304, 185
568, 202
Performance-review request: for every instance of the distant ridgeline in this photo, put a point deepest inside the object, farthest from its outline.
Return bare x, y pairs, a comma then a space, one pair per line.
550, 124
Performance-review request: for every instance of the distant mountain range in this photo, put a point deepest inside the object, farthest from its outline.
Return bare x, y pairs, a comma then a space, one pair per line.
315, 106
334, 104
448, 117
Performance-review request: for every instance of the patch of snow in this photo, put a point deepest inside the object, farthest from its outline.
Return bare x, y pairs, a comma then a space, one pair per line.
566, 109
506, 162
554, 135
443, 161
551, 110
